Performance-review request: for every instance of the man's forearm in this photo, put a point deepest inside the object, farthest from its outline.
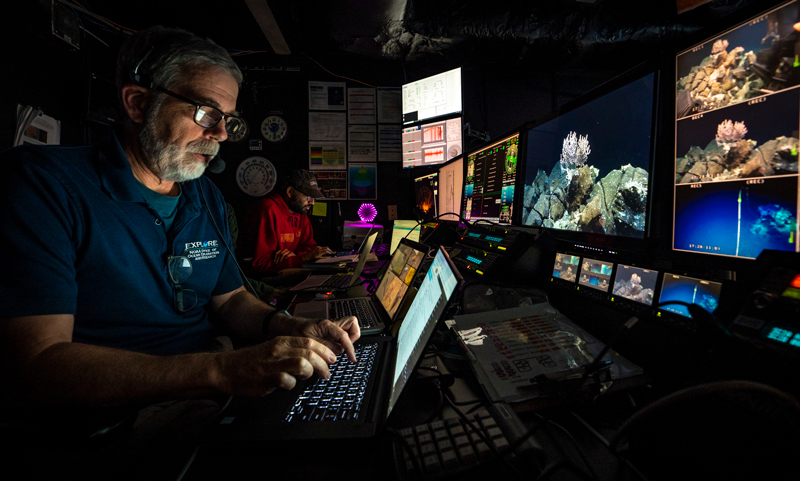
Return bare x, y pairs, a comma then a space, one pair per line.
243, 314
69, 373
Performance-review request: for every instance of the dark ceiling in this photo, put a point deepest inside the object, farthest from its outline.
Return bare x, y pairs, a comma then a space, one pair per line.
558, 34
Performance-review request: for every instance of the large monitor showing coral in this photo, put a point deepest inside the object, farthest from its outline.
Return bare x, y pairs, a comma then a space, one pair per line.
490, 181
588, 169
737, 113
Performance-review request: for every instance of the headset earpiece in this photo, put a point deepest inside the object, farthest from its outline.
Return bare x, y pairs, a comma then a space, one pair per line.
142, 79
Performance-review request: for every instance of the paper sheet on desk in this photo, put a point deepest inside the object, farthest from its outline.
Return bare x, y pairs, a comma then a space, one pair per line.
524, 342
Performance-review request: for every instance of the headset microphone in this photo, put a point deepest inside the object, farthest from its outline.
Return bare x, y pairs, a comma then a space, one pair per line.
216, 165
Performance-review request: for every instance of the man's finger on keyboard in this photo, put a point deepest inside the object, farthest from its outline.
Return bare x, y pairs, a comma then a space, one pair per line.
352, 330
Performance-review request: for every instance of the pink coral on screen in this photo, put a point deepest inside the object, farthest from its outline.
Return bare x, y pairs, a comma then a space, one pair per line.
730, 132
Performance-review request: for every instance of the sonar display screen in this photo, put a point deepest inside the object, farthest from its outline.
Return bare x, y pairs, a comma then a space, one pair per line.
635, 283
596, 274
587, 170
566, 267
737, 113
689, 290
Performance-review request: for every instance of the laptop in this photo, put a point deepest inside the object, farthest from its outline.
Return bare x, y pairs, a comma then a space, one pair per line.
380, 309
326, 282
307, 412
404, 229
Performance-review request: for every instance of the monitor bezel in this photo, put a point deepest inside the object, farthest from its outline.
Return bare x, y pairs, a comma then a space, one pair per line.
456, 113
521, 152
711, 262
433, 120
615, 242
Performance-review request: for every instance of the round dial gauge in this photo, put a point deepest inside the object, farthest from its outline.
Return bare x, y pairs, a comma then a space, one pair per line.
453, 151
241, 134
256, 176
274, 128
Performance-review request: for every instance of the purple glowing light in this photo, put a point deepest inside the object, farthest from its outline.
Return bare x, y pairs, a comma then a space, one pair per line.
367, 212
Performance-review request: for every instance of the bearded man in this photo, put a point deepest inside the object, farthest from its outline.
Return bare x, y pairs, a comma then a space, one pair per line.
118, 277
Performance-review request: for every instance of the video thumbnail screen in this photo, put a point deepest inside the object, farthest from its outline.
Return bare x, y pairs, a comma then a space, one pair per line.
635, 283
596, 274
400, 274
689, 290
588, 170
426, 192
736, 139
566, 267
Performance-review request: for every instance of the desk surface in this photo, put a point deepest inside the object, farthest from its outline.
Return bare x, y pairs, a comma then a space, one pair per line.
574, 433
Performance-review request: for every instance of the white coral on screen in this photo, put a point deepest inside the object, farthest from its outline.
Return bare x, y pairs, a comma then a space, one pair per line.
729, 132
575, 151
719, 46
636, 279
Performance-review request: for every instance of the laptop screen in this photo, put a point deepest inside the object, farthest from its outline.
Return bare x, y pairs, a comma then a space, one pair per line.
403, 229
402, 269
436, 289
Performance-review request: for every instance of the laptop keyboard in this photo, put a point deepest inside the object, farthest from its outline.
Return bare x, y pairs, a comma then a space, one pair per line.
341, 397
353, 307
378, 249
339, 281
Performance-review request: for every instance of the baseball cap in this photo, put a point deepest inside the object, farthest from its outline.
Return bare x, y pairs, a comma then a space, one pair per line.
305, 182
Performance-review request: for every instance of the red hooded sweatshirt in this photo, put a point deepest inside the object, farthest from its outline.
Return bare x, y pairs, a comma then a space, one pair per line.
270, 226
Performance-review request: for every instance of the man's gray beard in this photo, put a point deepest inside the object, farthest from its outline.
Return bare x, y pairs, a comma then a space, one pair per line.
168, 161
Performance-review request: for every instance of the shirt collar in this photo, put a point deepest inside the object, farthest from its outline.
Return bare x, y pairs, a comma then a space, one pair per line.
116, 174
120, 183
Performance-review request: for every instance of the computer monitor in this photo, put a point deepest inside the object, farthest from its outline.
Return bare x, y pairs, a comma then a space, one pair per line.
596, 274
737, 112
432, 97
451, 184
587, 168
490, 181
426, 193
635, 283
689, 290
566, 267
431, 143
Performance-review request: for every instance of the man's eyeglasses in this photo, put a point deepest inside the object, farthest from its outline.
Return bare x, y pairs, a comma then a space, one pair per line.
179, 269
207, 116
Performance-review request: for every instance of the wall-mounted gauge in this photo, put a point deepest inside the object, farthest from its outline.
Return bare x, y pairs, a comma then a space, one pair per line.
240, 134
256, 176
274, 128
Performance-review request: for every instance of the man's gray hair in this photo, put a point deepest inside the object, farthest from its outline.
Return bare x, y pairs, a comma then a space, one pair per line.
172, 53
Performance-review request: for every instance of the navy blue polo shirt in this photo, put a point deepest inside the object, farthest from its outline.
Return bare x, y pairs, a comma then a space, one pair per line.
77, 237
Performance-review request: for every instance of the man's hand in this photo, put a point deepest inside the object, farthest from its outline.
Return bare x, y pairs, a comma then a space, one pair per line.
338, 335
283, 254
316, 253
260, 369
